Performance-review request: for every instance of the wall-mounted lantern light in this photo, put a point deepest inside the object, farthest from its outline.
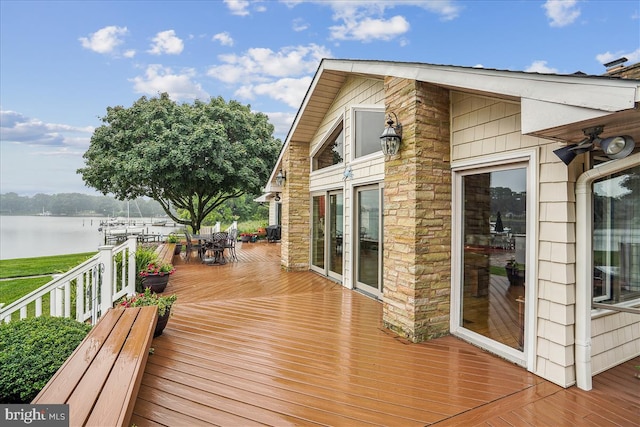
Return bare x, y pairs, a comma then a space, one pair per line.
615, 147
391, 137
281, 178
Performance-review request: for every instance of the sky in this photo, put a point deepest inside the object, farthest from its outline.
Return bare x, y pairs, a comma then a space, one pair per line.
62, 63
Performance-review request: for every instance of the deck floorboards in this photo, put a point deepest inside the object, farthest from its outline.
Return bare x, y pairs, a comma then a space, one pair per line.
249, 344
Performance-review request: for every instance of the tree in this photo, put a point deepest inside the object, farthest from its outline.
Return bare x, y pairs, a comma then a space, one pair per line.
186, 156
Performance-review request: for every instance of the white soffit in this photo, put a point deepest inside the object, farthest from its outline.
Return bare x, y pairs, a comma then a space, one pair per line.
541, 115
264, 198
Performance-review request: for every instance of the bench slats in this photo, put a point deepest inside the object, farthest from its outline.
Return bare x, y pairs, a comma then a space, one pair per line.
165, 252
101, 379
86, 393
128, 370
64, 381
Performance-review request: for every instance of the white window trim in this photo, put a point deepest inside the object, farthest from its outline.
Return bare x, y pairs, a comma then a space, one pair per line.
527, 357
338, 121
352, 134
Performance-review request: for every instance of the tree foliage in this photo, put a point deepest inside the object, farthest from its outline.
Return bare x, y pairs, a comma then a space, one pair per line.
191, 157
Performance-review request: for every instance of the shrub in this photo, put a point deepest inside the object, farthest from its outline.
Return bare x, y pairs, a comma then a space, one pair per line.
31, 351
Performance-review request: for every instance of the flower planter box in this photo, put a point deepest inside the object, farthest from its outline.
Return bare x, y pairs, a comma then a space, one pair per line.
156, 282
162, 323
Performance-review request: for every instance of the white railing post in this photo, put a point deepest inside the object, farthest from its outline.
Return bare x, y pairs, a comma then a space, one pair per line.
216, 228
67, 299
52, 302
106, 285
38, 312
132, 268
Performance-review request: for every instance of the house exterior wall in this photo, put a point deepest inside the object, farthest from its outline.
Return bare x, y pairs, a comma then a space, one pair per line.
442, 126
615, 338
484, 126
296, 204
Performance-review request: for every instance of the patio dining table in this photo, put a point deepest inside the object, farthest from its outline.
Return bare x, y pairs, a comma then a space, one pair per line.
209, 243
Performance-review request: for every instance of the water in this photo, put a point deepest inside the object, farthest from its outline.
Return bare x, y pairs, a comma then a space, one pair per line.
34, 236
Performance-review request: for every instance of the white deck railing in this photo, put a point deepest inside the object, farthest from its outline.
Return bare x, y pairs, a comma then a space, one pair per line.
92, 287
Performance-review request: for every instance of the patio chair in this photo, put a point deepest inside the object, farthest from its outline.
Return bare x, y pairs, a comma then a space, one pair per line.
231, 244
191, 246
218, 245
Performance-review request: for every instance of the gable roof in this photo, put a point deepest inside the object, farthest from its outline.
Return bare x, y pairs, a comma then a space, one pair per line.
553, 106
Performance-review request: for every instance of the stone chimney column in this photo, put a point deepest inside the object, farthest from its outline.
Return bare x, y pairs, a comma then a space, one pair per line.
417, 213
296, 208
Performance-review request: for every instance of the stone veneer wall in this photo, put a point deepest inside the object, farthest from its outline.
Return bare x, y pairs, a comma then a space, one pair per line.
417, 213
296, 208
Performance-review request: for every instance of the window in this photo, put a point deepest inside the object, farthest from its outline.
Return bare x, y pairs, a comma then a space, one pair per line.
332, 151
369, 125
616, 237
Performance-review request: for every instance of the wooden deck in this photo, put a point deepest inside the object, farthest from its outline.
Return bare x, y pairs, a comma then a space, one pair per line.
250, 344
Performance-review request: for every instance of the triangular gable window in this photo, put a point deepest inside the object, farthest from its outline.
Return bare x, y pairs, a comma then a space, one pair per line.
332, 150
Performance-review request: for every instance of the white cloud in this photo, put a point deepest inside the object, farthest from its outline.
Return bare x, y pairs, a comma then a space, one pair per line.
562, 12
281, 122
358, 9
287, 90
166, 42
224, 39
369, 29
633, 57
238, 7
365, 20
540, 67
158, 79
105, 40
129, 53
262, 64
299, 24
17, 128
283, 75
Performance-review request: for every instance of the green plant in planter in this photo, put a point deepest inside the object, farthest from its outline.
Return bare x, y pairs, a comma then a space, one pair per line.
173, 238
147, 298
144, 257
156, 268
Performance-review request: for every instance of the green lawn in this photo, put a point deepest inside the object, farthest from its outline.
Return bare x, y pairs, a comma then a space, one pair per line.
14, 289
22, 267
18, 282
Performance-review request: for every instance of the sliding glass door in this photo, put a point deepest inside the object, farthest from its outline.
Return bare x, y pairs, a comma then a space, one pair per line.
327, 233
494, 224
368, 240
318, 223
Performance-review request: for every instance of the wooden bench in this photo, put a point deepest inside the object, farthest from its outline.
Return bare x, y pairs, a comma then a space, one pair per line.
101, 378
165, 251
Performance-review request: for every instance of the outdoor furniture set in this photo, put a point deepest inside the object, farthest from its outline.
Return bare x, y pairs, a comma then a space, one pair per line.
211, 247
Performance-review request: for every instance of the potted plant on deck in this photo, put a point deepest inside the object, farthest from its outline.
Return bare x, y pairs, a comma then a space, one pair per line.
514, 273
147, 298
173, 238
156, 275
